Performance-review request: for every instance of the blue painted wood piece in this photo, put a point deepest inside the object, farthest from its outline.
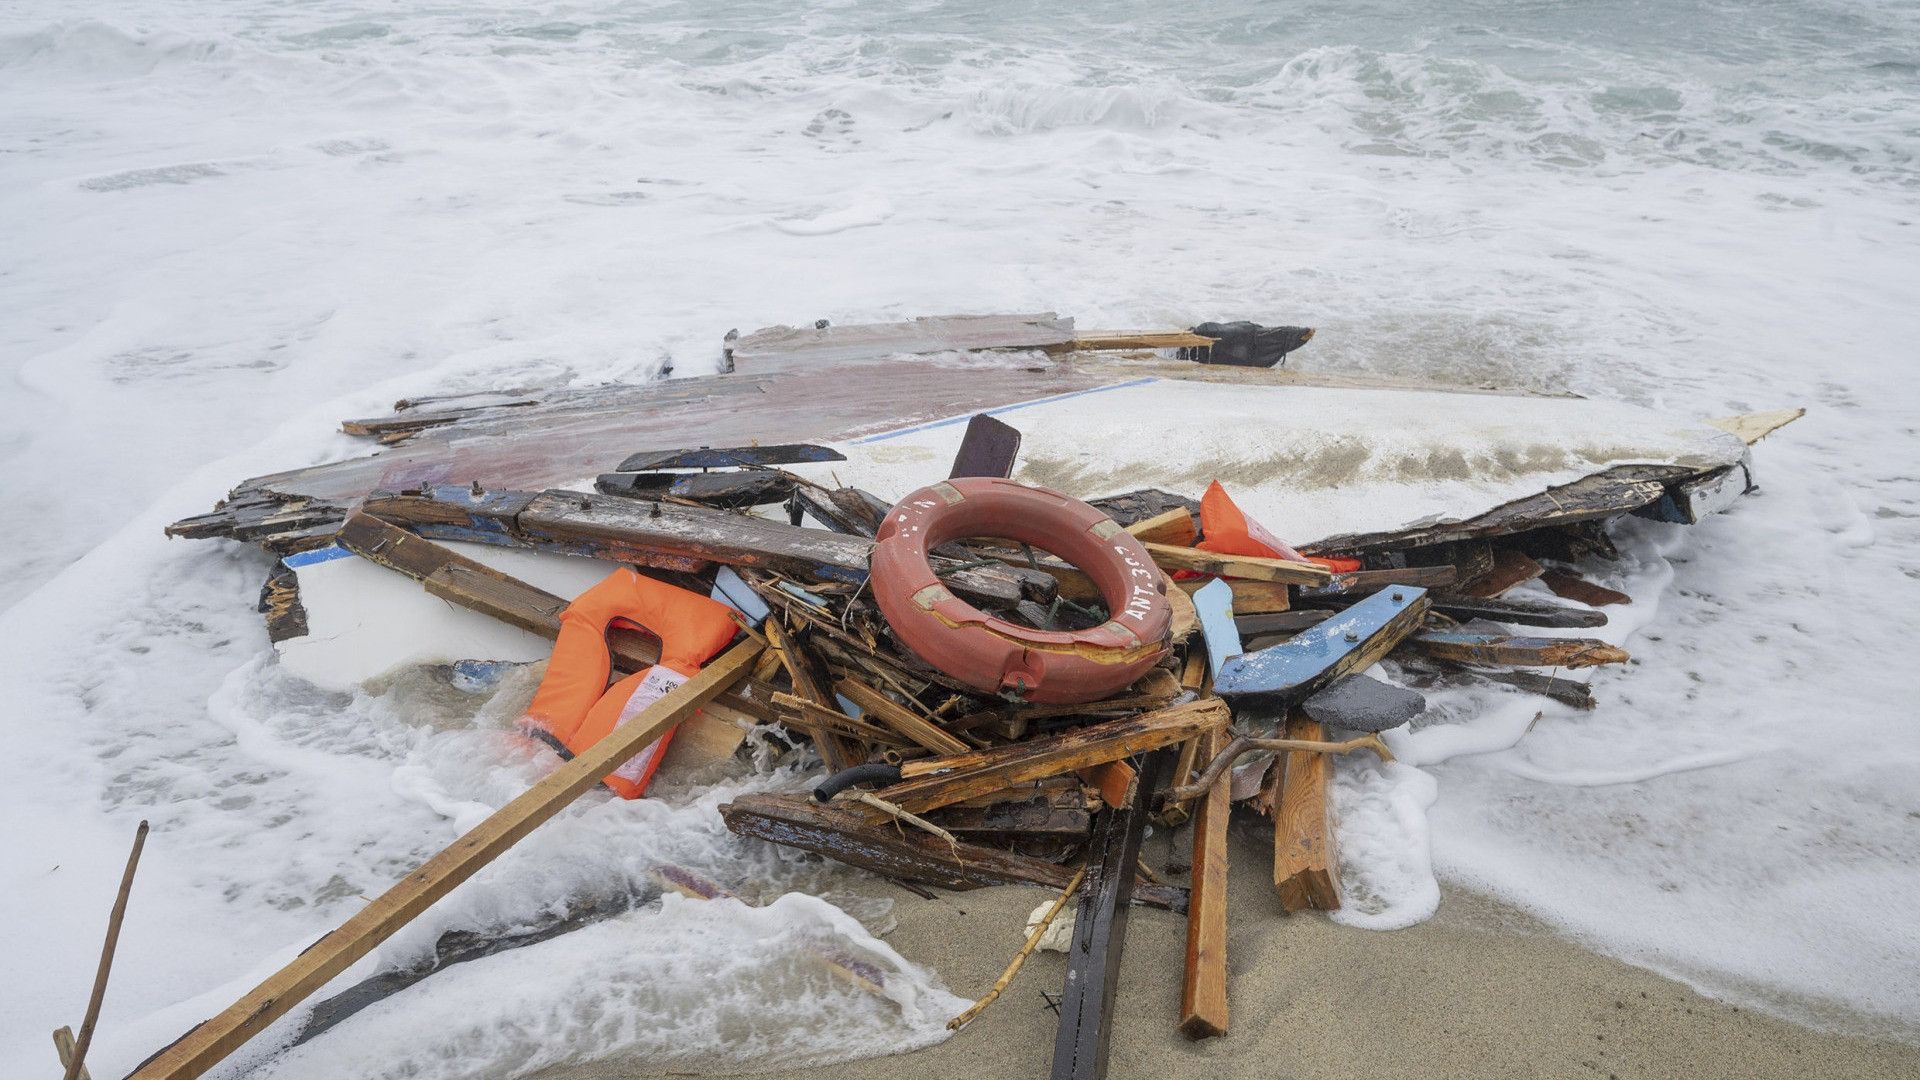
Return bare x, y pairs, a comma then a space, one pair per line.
1214, 604
729, 589
1343, 644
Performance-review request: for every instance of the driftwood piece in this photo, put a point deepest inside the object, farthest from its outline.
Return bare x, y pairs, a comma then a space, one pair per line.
1576, 588
1306, 870
1511, 567
1020, 958
839, 831
1467, 647
1099, 934
76, 1063
1203, 996
936, 782
1351, 641
212, 1041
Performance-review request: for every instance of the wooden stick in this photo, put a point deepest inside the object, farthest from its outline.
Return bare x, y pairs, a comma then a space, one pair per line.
1203, 996
920, 730
1256, 567
915, 820
63, 1045
77, 1064
1019, 958
210, 1043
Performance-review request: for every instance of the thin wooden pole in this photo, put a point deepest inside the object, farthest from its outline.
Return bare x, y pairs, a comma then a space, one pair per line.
63, 1044
210, 1043
77, 1064
1019, 958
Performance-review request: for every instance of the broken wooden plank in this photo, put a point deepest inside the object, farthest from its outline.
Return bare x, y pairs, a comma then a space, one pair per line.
1754, 426
848, 833
1132, 341
916, 728
1175, 526
1566, 691
1468, 647
1172, 557
1511, 567
1203, 996
1099, 934
721, 490
725, 457
1134, 506
1280, 622
1504, 610
1359, 583
934, 782
1249, 597
824, 343
1692, 501
1576, 588
1029, 818
1349, 642
1305, 865
988, 448
211, 1042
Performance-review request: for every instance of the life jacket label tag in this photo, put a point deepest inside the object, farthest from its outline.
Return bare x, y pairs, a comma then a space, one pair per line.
659, 679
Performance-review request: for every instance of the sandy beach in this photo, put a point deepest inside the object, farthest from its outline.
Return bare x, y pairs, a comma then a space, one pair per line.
1481, 990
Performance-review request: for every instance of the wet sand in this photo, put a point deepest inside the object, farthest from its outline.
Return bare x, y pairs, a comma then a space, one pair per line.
1479, 991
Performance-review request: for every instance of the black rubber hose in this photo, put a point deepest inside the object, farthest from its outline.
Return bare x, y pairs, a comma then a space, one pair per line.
877, 772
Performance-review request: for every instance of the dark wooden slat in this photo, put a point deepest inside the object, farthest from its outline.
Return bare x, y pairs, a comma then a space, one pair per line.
1473, 648
725, 490
1203, 996
721, 457
1100, 932
987, 449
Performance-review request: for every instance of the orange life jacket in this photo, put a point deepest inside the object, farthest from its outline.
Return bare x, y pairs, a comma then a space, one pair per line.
1229, 531
574, 708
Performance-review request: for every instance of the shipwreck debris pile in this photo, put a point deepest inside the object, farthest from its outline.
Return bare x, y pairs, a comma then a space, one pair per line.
984, 711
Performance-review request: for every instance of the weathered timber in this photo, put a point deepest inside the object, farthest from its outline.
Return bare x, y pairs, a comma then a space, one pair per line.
1754, 426
1132, 341
843, 832
819, 720
280, 603
988, 448
1033, 817
1306, 868
1359, 583
1249, 597
722, 490
1618, 490
1511, 566
1502, 609
1280, 622
1349, 642
936, 782
819, 506
722, 457
1691, 501
657, 534
63, 1046
1576, 588
1026, 949
478, 587
810, 685
916, 728
1099, 934
1171, 557
1363, 703
212, 1041
1468, 647
823, 343
1203, 996
1132, 506
1174, 527
1566, 691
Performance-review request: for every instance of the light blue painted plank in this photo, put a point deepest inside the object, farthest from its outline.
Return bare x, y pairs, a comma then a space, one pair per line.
1214, 603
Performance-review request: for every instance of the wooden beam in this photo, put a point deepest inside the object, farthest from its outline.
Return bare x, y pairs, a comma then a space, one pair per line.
1511, 567
1306, 867
1349, 642
1171, 557
1172, 527
1100, 933
1470, 648
1249, 597
1203, 997
1576, 588
1132, 341
211, 1042
478, 587
936, 782
1359, 583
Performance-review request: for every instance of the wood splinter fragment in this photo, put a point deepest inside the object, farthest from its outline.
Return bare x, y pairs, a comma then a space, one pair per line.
1026, 950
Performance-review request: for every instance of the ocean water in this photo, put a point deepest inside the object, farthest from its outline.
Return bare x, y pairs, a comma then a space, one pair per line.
225, 227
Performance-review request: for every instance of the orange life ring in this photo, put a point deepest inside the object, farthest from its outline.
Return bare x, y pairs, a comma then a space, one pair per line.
575, 708
991, 654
